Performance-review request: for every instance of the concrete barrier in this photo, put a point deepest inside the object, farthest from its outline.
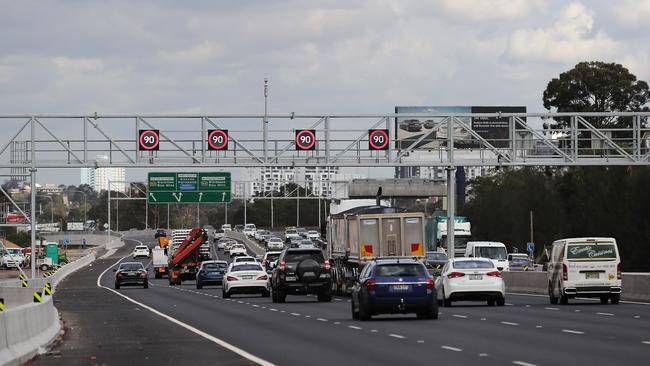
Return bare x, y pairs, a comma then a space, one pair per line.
636, 286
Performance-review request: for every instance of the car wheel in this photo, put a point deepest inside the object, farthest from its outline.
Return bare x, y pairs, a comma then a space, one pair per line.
604, 299
616, 298
146, 284
551, 296
274, 295
364, 312
445, 301
44, 267
117, 285
501, 301
199, 285
564, 300
282, 297
490, 302
325, 296
265, 293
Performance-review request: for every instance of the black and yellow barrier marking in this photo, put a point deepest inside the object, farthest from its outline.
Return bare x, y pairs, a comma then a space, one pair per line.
2, 304
47, 290
24, 284
37, 297
21, 277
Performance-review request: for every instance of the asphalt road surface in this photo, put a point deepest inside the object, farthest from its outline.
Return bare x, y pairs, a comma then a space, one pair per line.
527, 331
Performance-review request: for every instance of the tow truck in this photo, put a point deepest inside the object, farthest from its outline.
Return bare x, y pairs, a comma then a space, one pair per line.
185, 261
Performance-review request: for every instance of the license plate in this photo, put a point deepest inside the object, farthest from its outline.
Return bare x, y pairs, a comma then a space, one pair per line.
592, 275
400, 287
290, 278
131, 273
246, 277
475, 277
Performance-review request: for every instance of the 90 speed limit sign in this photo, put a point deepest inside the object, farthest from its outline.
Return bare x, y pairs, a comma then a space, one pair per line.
305, 139
217, 139
148, 140
377, 139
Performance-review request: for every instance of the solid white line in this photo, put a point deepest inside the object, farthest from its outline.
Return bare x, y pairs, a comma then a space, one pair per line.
522, 363
192, 329
449, 348
572, 331
580, 298
460, 316
607, 314
354, 327
509, 323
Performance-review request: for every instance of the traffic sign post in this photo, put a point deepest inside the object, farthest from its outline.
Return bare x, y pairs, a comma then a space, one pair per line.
377, 139
188, 187
148, 140
218, 139
305, 139
530, 247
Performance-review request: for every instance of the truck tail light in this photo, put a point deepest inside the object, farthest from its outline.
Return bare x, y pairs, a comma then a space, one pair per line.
327, 264
370, 284
619, 276
565, 272
231, 278
430, 283
456, 274
263, 278
494, 274
282, 266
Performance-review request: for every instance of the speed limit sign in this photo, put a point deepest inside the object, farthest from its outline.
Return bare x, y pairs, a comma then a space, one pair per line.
305, 139
148, 140
377, 139
217, 139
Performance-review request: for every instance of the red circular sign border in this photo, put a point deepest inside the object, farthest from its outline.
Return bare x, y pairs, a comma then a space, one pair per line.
313, 140
224, 134
143, 146
383, 132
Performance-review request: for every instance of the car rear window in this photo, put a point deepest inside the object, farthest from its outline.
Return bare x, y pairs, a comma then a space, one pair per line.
521, 261
272, 257
400, 270
473, 264
214, 266
436, 256
290, 231
246, 267
131, 266
591, 252
299, 256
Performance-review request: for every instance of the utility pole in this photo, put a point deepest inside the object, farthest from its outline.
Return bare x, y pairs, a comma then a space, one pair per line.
531, 226
265, 122
108, 231
33, 221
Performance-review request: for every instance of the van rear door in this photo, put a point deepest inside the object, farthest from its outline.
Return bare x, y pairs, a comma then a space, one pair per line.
591, 262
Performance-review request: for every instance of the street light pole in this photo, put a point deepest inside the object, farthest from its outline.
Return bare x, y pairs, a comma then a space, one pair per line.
266, 120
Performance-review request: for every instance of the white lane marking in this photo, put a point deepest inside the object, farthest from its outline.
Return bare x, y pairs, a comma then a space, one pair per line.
272, 309
552, 308
460, 316
483, 318
396, 336
337, 323
509, 323
256, 306
192, 329
307, 316
577, 310
482, 354
349, 300
373, 330
449, 348
338, 300
581, 298
637, 317
606, 314
321, 320
420, 341
572, 331
354, 327
538, 326
508, 304
527, 306
522, 363
282, 311
240, 302
295, 314
645, 342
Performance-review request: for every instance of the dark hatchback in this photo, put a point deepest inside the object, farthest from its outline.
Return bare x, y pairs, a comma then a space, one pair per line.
435, 261
302, 271
394, 285
131, 274
211, 273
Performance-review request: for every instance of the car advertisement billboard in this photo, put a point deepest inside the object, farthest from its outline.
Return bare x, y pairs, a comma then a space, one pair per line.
408, 131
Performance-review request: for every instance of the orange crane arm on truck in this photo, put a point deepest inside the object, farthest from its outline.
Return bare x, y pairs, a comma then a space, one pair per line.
189, 246
163, 241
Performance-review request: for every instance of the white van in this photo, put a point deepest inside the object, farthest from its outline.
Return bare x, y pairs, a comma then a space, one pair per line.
493, 250
584, 267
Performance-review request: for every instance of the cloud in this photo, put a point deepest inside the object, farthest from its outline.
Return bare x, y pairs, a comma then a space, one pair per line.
78, 65
206, 51
491, 9
632, 14
571, 38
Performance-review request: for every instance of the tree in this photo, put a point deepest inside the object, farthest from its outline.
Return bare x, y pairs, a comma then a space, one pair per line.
597, 87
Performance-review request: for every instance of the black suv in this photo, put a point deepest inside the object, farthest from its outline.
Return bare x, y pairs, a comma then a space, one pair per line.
302, 271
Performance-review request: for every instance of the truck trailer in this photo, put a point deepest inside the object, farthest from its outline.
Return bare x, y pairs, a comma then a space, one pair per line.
360, 234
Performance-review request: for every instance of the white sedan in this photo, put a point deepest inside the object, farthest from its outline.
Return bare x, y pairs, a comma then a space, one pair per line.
470, 279
313, 235
246, 278
141, 251
237, 249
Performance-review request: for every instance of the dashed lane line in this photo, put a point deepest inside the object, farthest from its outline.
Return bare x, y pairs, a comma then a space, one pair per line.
354, 327
522, 363
450, 348
552, 308
606, 314
460, 316
510, 323
572, 331
321, 319
396, 336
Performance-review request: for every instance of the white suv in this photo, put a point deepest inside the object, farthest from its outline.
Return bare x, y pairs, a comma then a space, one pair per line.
249, 229
141, 251
274, 244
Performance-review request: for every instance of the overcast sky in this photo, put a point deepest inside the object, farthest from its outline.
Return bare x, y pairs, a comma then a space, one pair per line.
336, 56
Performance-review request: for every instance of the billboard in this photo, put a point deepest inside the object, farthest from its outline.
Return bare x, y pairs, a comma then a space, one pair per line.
409, 130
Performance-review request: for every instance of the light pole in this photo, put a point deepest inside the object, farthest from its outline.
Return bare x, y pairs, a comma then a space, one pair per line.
266, 120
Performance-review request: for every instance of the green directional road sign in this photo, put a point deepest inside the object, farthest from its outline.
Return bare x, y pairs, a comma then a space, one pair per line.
188, 187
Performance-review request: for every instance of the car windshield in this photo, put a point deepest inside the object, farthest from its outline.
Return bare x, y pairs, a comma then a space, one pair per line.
290, 231
131, 266
588, 252
249, 226
214, 266
302, 255
436, 256
498, 253
246, 267
473, 264
14, 251
400, 270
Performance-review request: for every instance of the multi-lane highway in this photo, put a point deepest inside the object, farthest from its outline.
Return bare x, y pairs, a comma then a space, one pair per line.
171, 324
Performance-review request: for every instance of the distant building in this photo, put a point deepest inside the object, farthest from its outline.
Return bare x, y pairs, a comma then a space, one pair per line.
50, 188
98, 178
321, 181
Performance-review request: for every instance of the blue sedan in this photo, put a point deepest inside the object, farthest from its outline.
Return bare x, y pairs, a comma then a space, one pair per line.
211, 273
394, 285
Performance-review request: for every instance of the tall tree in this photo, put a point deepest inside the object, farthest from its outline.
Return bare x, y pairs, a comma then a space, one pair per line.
597, 87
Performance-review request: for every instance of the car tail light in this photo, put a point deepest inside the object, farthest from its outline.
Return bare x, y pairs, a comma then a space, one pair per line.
456, 274
263, 278
119, 274
282, 266
565, 272
327, 264
231, 278
370, 284
619, 276
430, 283
143, 274
494, 274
